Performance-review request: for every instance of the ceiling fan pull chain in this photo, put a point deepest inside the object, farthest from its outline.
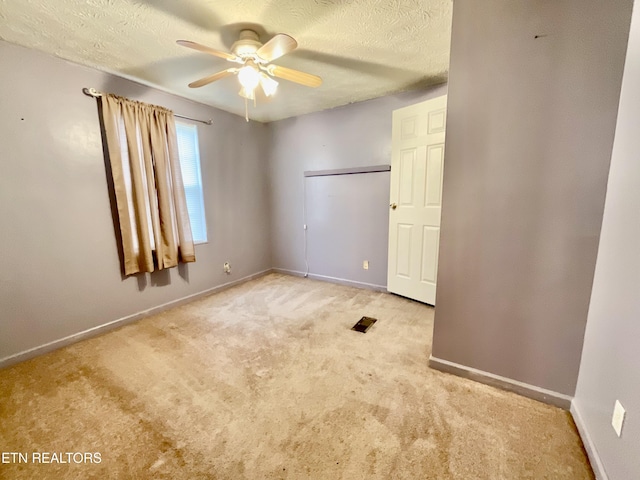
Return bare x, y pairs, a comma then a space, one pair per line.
246, 109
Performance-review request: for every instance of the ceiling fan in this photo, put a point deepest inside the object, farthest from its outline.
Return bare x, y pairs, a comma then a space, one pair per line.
255, 67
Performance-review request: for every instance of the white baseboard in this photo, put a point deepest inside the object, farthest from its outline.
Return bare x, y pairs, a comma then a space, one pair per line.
339, 281
587, 441
101, 329
531, 391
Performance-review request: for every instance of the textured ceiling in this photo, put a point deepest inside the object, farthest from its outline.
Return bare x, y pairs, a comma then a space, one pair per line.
361, 48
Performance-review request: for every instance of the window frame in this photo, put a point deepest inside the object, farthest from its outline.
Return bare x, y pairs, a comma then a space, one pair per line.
198, 168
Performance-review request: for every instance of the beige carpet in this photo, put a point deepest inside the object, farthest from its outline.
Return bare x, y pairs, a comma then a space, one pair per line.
267, 381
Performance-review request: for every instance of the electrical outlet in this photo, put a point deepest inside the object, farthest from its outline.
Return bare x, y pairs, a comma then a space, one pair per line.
226, 267
618, 417
365, 264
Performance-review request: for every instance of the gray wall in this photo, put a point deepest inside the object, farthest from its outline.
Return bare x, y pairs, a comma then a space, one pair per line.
355, 135
61, 272
611, 356
529, 135
348, 222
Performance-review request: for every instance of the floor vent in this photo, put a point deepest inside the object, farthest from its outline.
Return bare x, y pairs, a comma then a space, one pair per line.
364, 324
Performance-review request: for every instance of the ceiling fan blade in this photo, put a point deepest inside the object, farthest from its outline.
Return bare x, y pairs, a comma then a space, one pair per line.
210, 51
213, 78
296, 76
278, 46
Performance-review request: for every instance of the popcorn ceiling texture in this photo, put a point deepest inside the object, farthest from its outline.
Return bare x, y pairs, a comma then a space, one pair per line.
361, 48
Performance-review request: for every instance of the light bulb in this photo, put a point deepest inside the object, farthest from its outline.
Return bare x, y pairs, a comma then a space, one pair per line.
269, 85
249, 77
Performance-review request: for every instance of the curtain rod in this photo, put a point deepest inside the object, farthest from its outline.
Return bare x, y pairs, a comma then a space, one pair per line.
92, 92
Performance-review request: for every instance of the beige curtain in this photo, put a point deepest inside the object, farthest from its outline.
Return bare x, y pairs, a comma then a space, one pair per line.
152, 210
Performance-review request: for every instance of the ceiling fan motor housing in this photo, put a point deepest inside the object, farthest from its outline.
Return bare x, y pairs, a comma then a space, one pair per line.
247, 45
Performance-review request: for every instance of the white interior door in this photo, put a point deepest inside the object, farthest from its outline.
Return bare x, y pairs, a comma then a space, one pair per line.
417, 163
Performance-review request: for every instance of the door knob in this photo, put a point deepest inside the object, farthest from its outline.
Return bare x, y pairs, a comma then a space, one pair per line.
393, 206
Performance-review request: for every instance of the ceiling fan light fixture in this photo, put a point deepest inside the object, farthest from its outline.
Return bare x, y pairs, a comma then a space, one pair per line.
255, 67
269, 85
249, 77
248, 93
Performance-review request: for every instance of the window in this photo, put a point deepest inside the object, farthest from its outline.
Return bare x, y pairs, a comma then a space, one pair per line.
190, 167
